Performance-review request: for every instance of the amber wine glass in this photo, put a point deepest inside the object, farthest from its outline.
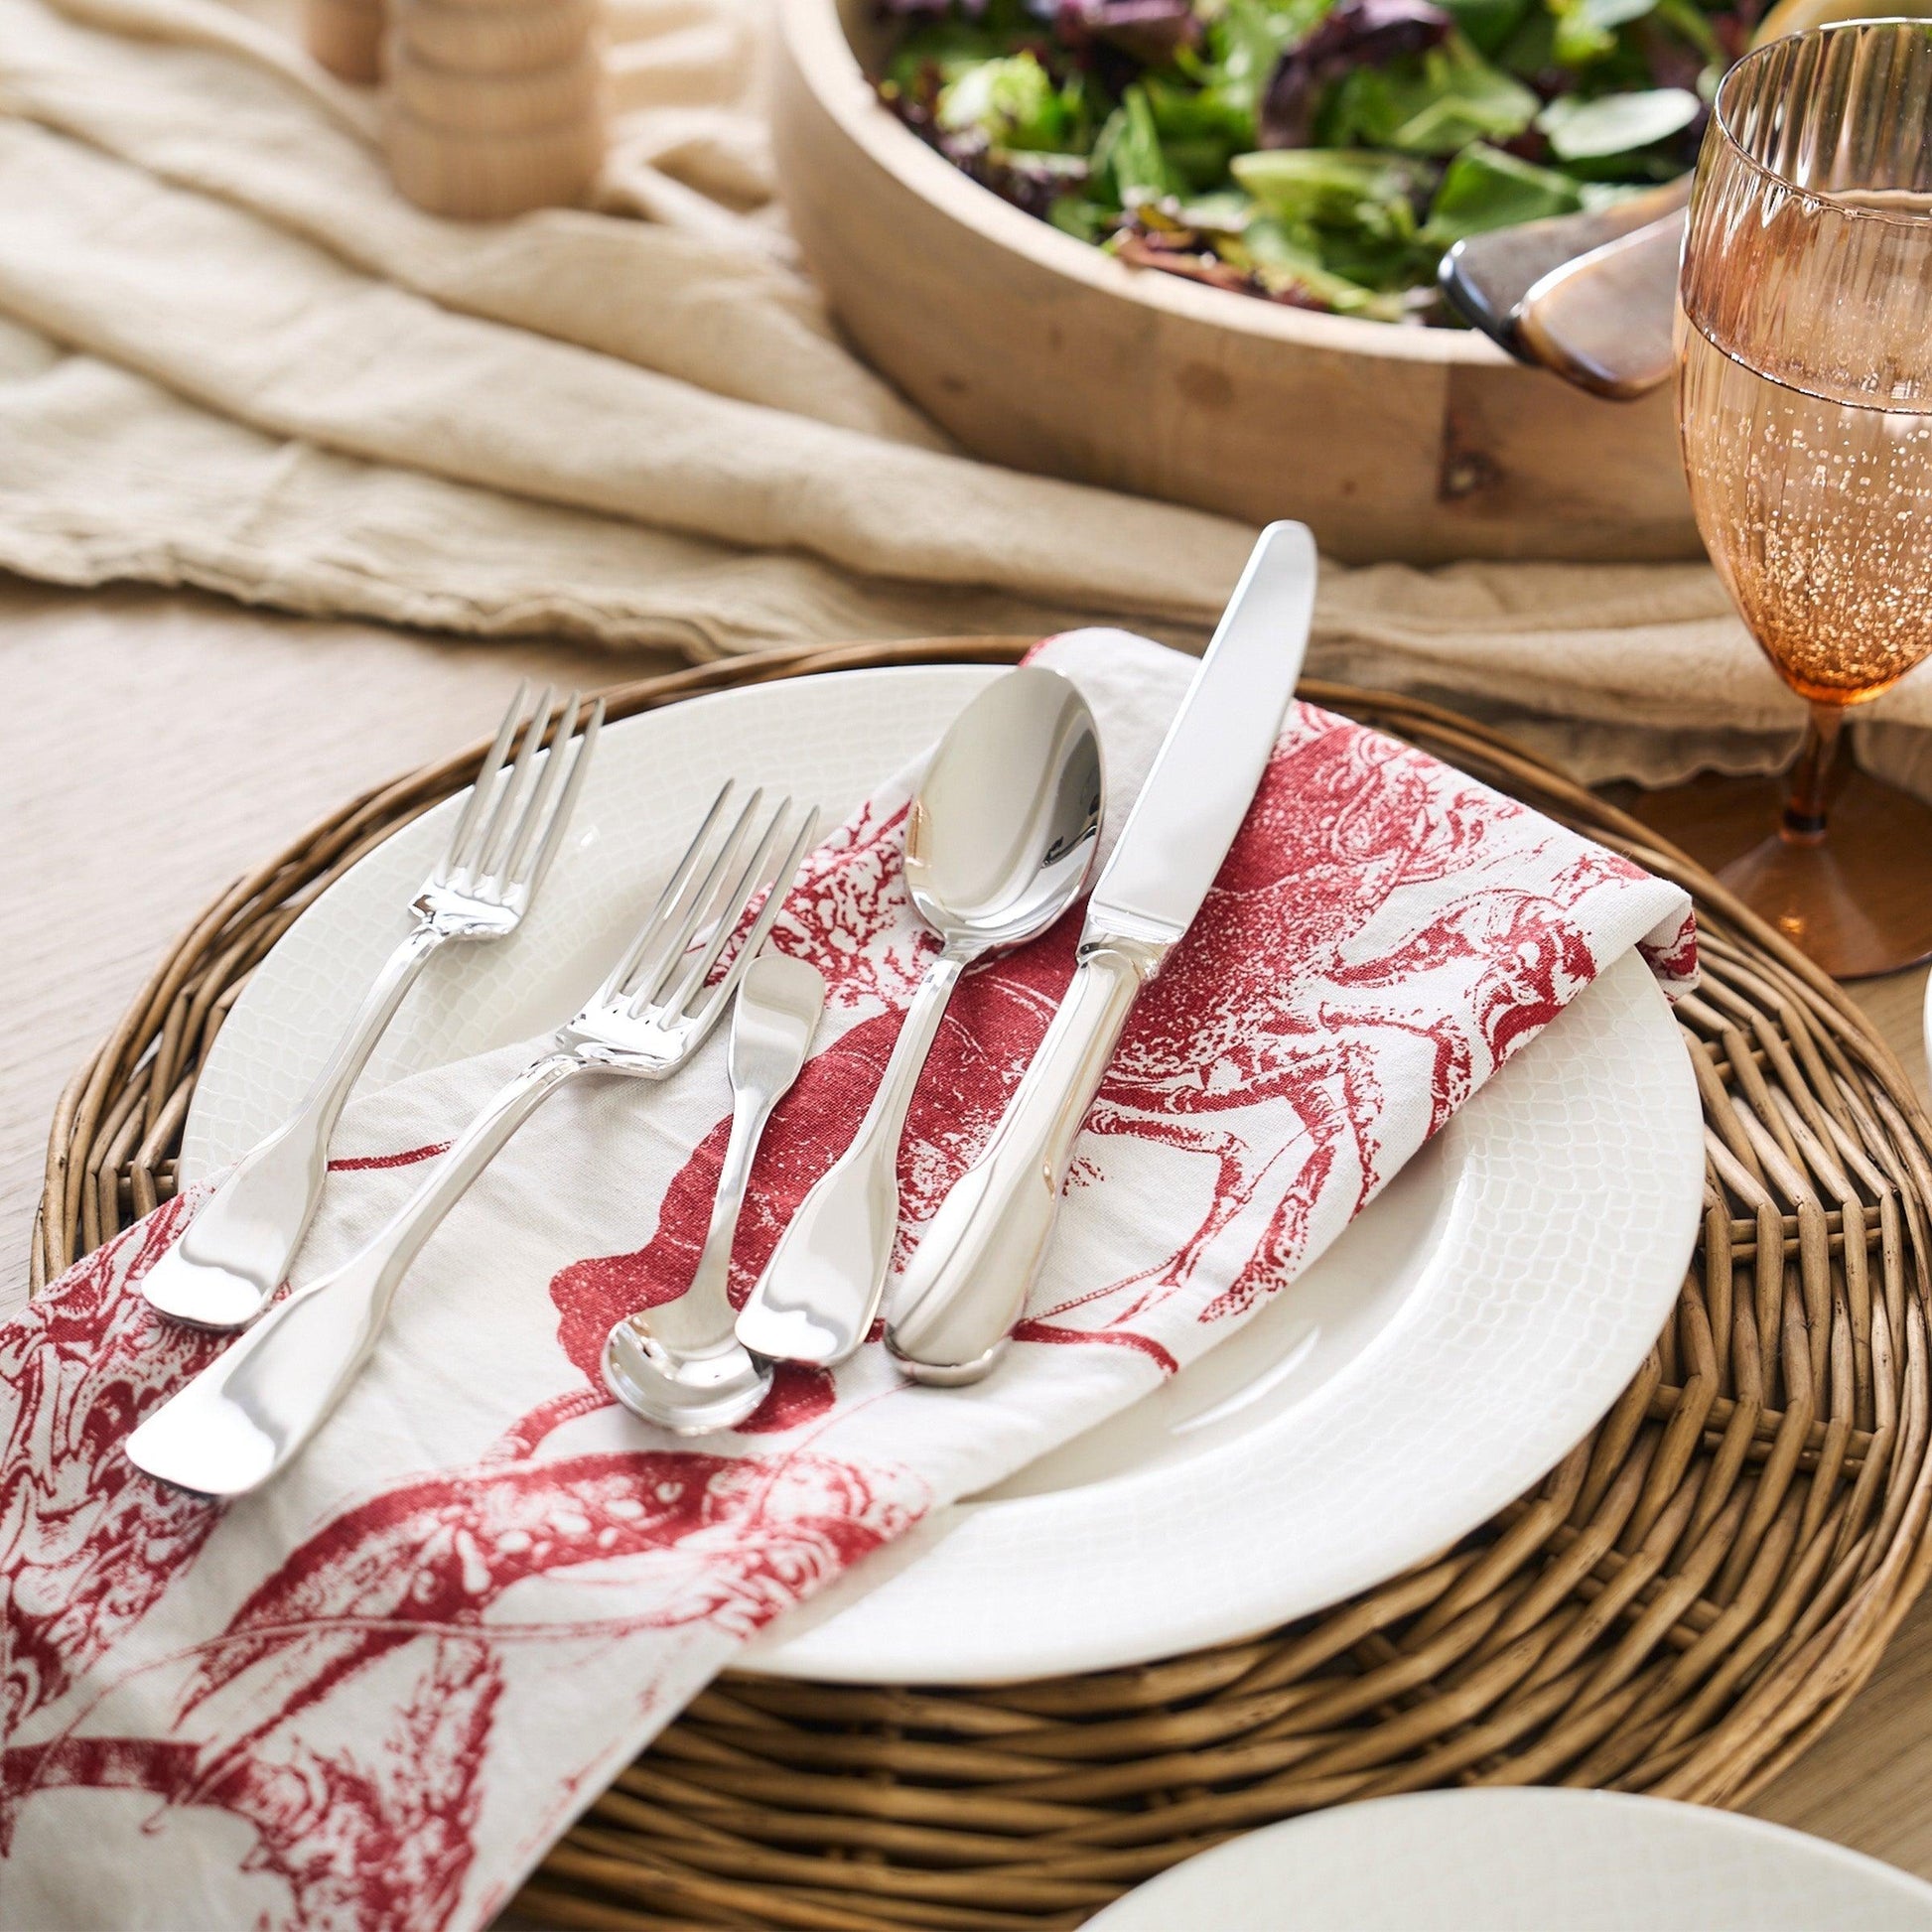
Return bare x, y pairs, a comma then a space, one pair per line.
1803, 342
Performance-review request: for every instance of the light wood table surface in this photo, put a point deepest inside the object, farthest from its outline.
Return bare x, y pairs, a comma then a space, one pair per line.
157, 744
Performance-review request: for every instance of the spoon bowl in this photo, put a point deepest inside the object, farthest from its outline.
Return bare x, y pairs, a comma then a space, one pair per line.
1001, 834
694, 1394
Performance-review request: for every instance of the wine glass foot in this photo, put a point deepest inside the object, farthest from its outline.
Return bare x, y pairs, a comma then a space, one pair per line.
1858, 902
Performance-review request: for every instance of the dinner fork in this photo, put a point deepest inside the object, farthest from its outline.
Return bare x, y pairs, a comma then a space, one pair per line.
236, 1251
250, 1411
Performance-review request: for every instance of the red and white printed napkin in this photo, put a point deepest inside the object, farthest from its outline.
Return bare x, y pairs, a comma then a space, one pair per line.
367, 1698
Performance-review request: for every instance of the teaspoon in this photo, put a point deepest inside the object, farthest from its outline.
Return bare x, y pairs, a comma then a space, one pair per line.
1000, 841
680, 1365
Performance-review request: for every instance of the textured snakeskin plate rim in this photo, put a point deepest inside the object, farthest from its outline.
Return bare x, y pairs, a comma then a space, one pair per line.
1680, 1608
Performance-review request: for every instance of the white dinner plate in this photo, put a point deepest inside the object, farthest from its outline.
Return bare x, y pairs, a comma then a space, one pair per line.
1531, 1860
1467, 1330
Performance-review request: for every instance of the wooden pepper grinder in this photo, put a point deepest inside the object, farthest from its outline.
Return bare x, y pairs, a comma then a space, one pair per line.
345, 36
494, 106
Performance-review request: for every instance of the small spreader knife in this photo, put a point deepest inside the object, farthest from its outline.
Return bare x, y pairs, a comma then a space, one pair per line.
967, 1284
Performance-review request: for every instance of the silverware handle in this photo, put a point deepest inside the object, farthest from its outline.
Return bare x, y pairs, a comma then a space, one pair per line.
976, 1264
237, 1249
250, 1411
821, 1292
701, 1317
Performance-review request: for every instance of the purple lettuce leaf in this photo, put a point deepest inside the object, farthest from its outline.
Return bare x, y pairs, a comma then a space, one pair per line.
1151, 30
1357, 33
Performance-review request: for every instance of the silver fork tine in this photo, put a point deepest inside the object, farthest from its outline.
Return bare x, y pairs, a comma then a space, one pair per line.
485, 780
553, 827
533, 819
730, 908
783, 882
645, 986
615, 980
683, 924
514, 791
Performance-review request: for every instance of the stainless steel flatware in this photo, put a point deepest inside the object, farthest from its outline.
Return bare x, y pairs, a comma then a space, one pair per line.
236, 1253
680, 1365
244, 1416
1000, 841
950, 1316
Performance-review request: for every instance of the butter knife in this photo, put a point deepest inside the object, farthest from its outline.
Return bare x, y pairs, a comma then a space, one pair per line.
955, 1307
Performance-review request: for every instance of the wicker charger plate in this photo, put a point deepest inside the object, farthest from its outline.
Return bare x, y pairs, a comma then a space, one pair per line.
1680, 1608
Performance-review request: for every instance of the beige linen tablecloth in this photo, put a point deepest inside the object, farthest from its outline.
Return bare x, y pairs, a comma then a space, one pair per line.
231, 356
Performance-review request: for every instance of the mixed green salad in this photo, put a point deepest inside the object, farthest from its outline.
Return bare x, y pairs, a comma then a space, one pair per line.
1323, 153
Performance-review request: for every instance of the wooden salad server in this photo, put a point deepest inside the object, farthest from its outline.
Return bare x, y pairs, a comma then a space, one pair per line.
1587, 296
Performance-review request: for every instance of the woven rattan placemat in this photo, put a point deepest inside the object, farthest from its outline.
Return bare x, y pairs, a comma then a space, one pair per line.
1680, 1608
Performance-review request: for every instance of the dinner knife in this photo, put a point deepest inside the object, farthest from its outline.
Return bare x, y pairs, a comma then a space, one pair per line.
967, 1284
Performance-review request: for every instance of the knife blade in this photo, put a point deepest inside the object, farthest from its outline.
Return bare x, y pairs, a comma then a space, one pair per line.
967, 1284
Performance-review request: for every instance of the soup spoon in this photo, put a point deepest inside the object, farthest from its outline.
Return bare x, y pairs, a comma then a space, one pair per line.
680, 1365
1000, 841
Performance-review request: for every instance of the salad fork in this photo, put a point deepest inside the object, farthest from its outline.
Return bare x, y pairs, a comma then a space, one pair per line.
247, 1414
236, 1252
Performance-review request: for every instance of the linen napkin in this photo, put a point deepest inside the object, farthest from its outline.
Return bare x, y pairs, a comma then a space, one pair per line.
367, 1698
232, 355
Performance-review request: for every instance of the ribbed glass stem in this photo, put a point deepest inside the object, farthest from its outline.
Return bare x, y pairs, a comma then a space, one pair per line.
1811, 776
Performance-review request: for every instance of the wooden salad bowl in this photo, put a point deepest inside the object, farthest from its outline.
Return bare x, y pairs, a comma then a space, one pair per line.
1038, 351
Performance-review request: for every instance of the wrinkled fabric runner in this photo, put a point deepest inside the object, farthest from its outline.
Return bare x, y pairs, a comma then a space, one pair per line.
231, 356
366, 1698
